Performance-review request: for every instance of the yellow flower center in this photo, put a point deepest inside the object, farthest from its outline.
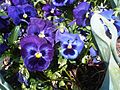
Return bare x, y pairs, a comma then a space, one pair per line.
41, 35
38, 55
25, 15
69, 46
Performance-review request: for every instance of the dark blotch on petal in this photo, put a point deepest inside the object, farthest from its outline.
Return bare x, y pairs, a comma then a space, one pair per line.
32, 63
43, 52
59, 1
41, 62
3, 47
32, 52
69, 52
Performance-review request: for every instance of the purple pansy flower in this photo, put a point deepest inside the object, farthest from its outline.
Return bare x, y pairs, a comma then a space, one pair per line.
1, 1
4, 25
21, 13
42, 28
81, 14
3, 48
71, 45
51, 10
36, 53
109, 14
62, 2
19, 2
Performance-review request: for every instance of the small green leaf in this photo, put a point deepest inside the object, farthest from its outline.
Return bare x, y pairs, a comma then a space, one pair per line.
14, 35
1, 39
3, 13
75, 87
61, 61
41, 1
61, 83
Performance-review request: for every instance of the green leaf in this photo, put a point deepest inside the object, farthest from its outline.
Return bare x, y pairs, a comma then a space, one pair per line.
4, 85
41, 1
14, 35
75, 87
1, 39
61, 83
61, 61
3, 13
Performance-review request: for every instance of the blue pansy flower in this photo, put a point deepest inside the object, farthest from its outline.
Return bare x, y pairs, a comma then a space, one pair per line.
36, 53
82, 14
62, 2
51, 10
21, 13
71, 45
19, 2
61, 30
94, 54
110, 15
42, 28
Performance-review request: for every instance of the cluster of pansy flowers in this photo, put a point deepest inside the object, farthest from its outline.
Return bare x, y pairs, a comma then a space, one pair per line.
37, 46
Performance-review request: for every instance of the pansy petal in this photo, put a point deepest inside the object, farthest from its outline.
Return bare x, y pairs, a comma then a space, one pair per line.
73, 54
42, 64
117, 24
13, 12
32, 39
31, 63
47, 7
3, 48
33, 30
30, 10
28, 50
80, 13
49, 24
19, 2
83, 6
70, 1
69, 52
96, 61
57, 13
93, 52
79, 45
4, 25
59, 2
67, 36
107, 14
48, 51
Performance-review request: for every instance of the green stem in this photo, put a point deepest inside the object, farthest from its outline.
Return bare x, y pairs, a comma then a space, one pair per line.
69, 76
